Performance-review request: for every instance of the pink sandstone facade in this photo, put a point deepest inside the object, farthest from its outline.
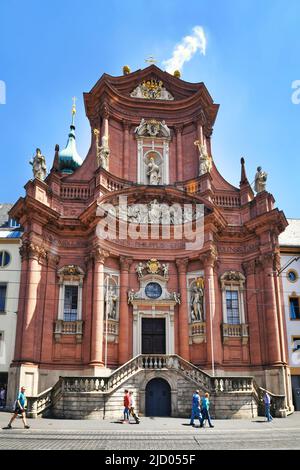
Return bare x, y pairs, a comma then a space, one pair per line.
219, 305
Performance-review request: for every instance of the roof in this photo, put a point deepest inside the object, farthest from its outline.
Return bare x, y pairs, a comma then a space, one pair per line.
291, 235
4, 209
10, 233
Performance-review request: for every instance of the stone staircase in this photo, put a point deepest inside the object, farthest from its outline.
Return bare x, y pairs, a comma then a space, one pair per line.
102, 397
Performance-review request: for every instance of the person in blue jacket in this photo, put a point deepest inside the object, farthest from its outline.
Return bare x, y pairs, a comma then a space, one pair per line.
19, 407
195, 408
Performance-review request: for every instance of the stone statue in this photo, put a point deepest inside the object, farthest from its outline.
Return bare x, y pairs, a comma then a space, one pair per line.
165, 270
176, 297
111, 304
103, 156
153, 172
197, 304
260, 180
205, 162
139, 269
39, 168
131, 296
154, 212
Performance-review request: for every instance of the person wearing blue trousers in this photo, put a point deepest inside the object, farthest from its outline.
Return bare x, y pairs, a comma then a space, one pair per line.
196, 414
205, 411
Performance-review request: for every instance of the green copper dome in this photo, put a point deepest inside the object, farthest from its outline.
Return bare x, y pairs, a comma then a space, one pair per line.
69, 159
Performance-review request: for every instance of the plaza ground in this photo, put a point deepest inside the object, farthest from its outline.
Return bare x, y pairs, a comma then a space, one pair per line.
150, 434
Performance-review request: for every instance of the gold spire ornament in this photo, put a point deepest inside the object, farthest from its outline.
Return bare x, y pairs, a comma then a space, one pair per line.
126, 70
74, 105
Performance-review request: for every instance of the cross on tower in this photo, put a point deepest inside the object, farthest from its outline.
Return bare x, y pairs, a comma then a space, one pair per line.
151, 60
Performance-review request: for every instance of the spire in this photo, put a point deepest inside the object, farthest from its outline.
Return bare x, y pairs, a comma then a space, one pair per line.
244, 179
69, 159
245, 188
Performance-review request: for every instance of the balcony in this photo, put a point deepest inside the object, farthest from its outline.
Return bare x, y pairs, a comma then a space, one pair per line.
230, 331
62, 327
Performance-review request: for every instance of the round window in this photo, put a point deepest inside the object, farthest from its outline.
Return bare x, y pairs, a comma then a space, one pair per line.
4, 258
153, 290
292, 275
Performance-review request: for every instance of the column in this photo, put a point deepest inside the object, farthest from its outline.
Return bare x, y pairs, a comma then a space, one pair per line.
124, 310
178, 130
272, 338
31, 308
98, 308
183, 318
252, 313
212, 335
126, 125
21, 302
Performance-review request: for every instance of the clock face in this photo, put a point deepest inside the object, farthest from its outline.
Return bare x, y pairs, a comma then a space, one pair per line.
153, 290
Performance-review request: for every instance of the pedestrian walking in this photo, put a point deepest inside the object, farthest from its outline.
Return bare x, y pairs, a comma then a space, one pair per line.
196, 409
205, 404
2, 397
126, 406
132, 408
267, 402
19, 407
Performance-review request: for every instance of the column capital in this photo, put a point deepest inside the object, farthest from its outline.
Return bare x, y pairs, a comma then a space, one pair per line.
125, 263
53, 260
99, 254
31, 250
182, 264
210, 257
105, 111
267, 260
249, 267
178, 128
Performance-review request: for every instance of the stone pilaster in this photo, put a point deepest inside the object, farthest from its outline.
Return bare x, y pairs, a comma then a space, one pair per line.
183, 318
98, 307
125, 264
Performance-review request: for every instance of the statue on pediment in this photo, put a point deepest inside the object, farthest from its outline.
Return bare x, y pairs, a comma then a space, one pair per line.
39, 168
260, 180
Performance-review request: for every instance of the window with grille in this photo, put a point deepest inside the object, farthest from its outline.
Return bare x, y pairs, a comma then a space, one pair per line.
294, 308
232, 307
71, 303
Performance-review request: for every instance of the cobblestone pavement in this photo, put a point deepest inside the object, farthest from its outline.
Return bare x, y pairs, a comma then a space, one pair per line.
151, 434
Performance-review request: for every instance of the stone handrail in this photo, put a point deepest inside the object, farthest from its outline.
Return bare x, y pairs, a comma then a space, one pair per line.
75, 191
38, 404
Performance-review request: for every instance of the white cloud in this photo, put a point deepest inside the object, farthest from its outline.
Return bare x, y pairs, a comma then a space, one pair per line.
186, 49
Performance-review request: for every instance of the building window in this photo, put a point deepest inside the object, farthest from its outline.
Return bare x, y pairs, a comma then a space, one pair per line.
294, 308
2, 297
296, 343
13, 223
292, 275
4, 258
71, 303
232, 307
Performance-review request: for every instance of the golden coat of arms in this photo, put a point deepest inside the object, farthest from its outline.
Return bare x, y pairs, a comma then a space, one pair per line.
153, 266
200, 282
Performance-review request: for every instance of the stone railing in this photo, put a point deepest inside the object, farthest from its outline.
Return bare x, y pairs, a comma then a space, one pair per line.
111, 183
232, 384
278, 403
75, 192
227, 200
235, 331
198, 332
62, 327
39, 404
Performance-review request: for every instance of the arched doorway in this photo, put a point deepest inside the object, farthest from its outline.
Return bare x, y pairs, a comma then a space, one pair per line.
158, 398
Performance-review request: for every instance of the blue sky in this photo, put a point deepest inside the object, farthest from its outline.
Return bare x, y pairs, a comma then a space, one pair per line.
51, 51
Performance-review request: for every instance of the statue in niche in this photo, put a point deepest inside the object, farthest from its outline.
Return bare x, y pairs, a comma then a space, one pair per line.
205, 162
111, 304
39, 168
153, 172
131, 296
260, 180
176, 297
197, 311
154, 212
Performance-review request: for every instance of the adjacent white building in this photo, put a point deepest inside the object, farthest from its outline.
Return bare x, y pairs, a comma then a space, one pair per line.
10, 267
290, 261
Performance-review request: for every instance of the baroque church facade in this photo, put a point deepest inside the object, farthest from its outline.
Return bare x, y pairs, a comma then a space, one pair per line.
113, 285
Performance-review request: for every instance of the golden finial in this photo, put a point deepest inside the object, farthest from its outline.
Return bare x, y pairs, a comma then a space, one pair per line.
74, 105
126, 70
177, 74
